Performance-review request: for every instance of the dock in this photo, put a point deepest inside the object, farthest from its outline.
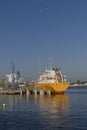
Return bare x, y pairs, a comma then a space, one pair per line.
12, 91
26, 90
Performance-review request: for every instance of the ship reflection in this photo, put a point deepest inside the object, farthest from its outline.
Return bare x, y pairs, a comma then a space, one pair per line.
47, 103
54, 103
54, 110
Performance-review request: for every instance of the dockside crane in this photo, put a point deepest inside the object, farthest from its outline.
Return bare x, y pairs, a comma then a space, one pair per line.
13, 72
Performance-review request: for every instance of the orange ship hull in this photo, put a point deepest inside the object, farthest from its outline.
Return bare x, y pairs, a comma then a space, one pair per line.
54, 87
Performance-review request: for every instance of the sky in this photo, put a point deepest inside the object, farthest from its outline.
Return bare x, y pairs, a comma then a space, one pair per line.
35, 34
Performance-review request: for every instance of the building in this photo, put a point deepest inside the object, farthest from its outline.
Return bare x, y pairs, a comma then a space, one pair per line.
12, 78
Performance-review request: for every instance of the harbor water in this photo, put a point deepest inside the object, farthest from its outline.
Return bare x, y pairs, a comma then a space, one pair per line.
45, 112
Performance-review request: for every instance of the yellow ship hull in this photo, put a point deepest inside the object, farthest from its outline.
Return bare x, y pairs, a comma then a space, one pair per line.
54, 87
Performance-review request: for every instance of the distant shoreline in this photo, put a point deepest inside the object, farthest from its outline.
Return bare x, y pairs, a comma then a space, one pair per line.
78, 85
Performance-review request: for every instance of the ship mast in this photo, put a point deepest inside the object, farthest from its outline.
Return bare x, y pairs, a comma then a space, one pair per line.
51, 61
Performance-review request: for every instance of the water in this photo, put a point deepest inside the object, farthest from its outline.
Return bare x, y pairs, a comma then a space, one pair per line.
35, 112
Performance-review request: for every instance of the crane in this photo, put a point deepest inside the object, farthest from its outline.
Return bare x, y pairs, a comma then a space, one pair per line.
13, 72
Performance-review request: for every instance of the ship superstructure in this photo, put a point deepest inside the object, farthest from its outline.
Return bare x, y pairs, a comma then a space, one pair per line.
51, 76
52, 79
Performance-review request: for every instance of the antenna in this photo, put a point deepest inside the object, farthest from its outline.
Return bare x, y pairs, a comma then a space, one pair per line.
51, 62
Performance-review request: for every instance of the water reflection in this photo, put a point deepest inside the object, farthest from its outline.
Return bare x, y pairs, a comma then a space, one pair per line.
53, 103
48, 111
49, 103
54, 110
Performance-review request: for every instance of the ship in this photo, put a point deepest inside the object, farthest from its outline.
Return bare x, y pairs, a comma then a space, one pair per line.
52, 80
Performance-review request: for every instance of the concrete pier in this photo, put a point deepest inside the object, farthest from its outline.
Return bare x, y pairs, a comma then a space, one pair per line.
21, 91
35, 92
11, 91
48, 92
41, 92
27, 92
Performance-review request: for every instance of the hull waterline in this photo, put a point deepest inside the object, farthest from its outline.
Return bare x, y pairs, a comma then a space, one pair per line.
55, 88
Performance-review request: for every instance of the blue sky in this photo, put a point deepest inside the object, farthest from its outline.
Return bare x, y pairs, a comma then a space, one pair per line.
33, 31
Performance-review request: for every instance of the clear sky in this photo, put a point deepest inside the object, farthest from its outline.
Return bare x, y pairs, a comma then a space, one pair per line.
33, 31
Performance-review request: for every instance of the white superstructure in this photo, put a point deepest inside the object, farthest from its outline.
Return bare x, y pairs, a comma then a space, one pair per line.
51, 76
